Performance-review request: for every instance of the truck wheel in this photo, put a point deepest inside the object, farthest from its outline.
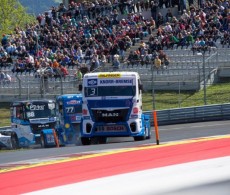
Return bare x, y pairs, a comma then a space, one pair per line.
14, 141
149, 134
85, 141
140, 138
43, 144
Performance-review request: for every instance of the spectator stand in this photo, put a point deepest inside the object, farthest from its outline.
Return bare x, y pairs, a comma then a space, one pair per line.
103, 33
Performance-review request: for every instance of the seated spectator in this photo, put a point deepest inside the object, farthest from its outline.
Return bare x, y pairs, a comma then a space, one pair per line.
102, 59
88, 55
19, 66
173, 41
164, 58
157, 63
196, 46
116, 62
145, 59
78, 75
2, 77
211, 45
79, 54
95, 63
64, 71
225, 39
152, 25
130, 59
8, 79
190, 39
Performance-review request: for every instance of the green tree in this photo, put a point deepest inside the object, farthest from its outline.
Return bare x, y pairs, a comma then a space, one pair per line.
13, 14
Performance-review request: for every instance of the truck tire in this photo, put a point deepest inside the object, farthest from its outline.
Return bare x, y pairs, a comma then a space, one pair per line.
149, 134
141, 138
85, 141
14, 141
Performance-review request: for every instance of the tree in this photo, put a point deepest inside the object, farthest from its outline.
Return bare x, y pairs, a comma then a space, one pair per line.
13, 14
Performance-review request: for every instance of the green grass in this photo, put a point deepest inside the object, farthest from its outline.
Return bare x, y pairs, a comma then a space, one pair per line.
216, 94
4, 114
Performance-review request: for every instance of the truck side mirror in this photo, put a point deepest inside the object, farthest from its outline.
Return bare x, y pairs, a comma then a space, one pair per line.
141, 87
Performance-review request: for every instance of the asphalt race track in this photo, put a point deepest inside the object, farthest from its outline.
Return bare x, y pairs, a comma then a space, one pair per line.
191, 158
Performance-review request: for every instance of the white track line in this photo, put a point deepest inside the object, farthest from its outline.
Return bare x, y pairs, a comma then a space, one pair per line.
181, 179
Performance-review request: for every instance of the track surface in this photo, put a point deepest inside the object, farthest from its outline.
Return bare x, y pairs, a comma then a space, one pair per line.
120, 158
167, 134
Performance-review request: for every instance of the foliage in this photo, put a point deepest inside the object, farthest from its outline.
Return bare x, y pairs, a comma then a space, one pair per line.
13, 14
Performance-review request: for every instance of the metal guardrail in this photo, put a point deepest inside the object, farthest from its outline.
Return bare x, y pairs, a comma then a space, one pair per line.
192, 114
188, 115
4, 128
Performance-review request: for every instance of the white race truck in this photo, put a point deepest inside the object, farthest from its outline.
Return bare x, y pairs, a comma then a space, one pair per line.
112, 107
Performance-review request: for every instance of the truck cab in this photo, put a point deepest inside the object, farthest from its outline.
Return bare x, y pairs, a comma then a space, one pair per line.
32, 122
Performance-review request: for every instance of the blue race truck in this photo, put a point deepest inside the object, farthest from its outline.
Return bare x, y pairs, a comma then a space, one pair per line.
69, 112
32, 122
112, 107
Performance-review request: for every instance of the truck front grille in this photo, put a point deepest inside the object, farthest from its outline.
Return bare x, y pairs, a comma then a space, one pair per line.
36, 128
114, 116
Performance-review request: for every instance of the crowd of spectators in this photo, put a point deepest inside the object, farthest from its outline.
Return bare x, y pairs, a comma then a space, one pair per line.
198, 29
88, 35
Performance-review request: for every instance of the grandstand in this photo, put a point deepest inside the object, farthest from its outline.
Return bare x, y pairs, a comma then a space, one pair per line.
186, 71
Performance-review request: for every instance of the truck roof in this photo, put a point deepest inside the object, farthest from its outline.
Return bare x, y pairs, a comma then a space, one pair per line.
21, 102
111, 74
79, 95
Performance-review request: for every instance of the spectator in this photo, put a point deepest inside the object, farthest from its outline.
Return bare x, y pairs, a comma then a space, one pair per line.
8, 79
160, 19
168, 16
153, 7
2, 77
164, 58
157, 63
145, 59
64, 71
84, 69
78, 75
116, 62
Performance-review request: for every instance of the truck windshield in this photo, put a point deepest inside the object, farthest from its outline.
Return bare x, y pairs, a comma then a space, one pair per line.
40, 110
110, 91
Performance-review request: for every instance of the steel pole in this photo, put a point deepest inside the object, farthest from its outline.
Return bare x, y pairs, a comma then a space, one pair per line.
205, 100
152, 87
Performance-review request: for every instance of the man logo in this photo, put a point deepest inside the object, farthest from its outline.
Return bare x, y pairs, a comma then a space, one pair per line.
92, 82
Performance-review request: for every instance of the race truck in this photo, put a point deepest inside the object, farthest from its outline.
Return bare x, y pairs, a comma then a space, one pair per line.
112, 107
32, 122
69, 112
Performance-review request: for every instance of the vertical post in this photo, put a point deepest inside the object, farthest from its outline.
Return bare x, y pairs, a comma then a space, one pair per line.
20, 86
156, 126
42, 85
56, 138
179, 94
204, 78
152, 87
28, 89
61, 86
